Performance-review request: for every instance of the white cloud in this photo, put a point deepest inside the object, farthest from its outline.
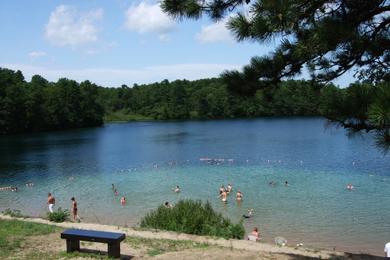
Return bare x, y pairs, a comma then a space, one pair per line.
36, 54
217, 32
109, 77
68, 26
91, 52
148, 18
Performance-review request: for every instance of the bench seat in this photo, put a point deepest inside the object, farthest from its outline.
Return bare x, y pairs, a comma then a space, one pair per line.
73, 237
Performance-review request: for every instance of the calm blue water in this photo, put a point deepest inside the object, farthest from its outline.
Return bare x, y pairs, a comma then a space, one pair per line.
146, 159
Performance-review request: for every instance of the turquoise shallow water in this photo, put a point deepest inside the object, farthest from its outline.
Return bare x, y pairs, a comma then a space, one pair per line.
145, 160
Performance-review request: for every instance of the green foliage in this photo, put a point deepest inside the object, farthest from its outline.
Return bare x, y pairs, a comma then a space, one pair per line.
123, 116
59, 215
15, 213
327, 37
13, 232
41, 106
193, 217
207, 99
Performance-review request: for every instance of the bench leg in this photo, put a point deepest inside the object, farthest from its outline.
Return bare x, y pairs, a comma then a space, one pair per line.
114, 250
72, 245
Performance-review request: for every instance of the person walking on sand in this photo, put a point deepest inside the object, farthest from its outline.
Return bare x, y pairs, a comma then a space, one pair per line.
51, 201
75, 209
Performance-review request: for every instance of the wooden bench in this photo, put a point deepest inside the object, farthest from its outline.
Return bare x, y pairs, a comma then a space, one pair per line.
73, 237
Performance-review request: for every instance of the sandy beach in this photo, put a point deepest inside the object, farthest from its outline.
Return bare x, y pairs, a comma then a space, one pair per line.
218, 247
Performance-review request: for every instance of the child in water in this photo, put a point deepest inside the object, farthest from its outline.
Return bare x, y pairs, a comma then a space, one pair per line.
177, 189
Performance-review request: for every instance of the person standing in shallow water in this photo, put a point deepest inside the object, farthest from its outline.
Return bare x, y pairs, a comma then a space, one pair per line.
123, 201
75, 209
51, 201
239, 196
387, 250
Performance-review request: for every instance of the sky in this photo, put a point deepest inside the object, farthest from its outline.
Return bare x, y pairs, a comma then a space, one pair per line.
115, 42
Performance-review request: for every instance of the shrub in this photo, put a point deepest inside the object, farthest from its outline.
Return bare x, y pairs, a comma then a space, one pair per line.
58, 216
193, 217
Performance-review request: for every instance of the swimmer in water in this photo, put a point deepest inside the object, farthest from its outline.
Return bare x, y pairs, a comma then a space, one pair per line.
223, 196
229, 188
349, 187
239, 196
249, 214
123, 201
168, 205
177, 189
286, 183
221, 189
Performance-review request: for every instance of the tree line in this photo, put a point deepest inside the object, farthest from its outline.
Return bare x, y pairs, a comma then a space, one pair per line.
40, 105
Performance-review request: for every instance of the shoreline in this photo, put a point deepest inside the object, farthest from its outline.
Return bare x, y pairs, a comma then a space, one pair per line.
220, 242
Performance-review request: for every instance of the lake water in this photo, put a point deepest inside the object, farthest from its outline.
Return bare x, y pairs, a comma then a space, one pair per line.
145, 160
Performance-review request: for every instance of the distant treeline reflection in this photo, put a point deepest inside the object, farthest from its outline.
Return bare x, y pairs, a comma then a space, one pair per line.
40, 105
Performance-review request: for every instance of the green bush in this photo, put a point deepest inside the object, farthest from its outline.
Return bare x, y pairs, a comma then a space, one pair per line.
193, 217
58, 216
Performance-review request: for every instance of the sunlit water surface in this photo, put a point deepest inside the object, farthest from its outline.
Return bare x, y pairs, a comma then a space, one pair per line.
145, 160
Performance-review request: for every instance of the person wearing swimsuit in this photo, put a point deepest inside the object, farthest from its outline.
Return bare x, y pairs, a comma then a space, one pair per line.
239, 196
221, 189
229, 188
74, 209
51, 201
223, 197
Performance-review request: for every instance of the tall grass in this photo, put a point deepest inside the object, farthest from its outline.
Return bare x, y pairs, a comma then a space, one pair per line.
193, 217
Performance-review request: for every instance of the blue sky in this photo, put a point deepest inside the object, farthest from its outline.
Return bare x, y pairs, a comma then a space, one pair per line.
116, 42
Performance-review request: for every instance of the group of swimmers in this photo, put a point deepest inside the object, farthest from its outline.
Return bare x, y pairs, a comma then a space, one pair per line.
224, 192
123, 199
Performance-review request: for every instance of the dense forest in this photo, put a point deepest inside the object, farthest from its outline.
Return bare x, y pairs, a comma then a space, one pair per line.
40, 105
